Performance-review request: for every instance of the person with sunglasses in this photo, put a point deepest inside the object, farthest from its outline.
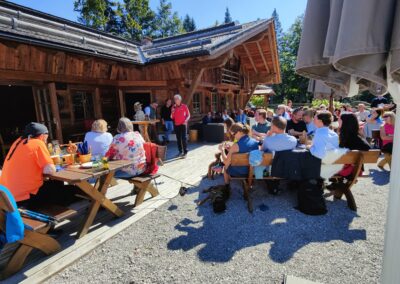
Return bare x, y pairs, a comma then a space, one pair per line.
387, 135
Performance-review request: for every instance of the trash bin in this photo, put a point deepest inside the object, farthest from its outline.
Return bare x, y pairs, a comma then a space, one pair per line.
193, 135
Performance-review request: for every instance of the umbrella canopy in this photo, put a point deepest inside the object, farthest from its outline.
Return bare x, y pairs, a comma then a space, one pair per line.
320, 90
348, 41
342, 39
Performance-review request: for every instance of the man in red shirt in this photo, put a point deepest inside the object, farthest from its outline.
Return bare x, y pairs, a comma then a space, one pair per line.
180, 115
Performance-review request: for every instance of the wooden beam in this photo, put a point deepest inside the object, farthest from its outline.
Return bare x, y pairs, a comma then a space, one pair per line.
121, 101
274, 56
250, 58
97, 103
206, 63
195, 82
159, 83
55, 110
263, 57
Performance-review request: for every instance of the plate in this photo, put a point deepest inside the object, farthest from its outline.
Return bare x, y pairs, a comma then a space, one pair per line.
87, 165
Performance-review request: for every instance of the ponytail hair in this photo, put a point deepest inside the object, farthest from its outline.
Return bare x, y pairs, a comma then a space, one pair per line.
239, 127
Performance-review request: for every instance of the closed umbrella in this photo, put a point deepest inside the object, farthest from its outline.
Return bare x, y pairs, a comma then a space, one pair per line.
358, 41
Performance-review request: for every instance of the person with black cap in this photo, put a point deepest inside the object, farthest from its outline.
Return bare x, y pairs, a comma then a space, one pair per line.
25, 164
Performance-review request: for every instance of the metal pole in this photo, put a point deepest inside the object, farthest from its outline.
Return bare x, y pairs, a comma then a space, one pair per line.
391, 271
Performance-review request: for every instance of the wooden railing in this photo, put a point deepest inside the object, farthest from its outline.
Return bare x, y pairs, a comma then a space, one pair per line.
230, 77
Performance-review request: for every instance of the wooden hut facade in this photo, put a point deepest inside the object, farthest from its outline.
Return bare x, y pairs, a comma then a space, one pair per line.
66, 75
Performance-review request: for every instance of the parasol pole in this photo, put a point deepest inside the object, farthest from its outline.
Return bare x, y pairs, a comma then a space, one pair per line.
391, 271
331, 107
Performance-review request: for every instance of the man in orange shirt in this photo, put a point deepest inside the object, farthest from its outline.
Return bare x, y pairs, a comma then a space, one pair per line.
25, 164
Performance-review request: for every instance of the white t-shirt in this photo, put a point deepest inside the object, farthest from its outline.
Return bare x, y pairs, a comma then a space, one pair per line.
98, 142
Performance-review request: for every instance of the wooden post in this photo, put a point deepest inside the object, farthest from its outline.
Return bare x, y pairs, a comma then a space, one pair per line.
121, 102
331, 107
55, 111
198, 73
97, 103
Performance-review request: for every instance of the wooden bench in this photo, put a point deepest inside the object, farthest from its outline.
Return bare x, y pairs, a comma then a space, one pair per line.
36, 238
143, 184
356, 158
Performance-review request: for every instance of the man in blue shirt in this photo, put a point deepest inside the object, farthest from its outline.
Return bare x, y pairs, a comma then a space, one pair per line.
325, 140
260, 129
277, 139
241, 117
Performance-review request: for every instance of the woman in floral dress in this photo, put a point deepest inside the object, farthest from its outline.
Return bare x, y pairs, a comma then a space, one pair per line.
128, 145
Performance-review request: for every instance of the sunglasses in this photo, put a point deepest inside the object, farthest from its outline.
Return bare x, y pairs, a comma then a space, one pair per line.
385, 116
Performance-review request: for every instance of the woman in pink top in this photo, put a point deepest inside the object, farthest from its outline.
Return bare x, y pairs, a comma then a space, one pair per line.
387, 134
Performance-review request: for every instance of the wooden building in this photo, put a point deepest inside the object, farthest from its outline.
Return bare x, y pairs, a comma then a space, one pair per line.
65, 75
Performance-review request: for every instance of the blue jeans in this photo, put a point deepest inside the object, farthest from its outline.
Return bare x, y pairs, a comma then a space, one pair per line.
122, 175
169, 127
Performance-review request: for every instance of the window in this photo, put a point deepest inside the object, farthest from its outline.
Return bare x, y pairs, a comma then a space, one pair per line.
196, 104
83, 105
214, 102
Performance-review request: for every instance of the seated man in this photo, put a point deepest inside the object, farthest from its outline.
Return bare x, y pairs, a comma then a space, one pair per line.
281, 111
207, 119
241, 117
24, 166
296, 126
277, 139
325, 139
262, 126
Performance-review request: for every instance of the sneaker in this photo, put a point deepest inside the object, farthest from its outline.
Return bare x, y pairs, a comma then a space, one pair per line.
179, 155
184, 155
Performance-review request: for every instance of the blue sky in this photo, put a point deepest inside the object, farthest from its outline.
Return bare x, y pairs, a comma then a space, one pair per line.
204, 12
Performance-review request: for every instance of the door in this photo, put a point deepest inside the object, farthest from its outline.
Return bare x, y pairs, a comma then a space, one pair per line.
132, 98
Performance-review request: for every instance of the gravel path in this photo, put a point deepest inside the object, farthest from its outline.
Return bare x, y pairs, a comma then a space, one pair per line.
179, 243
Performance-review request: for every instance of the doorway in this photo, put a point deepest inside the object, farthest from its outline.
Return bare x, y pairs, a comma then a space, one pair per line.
132, 98
18, 110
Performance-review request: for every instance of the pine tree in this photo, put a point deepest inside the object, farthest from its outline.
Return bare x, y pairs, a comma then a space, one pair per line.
228, 18
188, 24
96, 13
138, 19
278, 28
167, 23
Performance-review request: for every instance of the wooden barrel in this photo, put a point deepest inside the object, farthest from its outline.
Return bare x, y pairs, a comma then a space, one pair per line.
193, 135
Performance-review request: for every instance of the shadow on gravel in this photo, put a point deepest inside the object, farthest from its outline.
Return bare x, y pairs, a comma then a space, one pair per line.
380, 177
274, 222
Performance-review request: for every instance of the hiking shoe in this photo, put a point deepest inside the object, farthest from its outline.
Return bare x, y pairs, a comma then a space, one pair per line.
184, 155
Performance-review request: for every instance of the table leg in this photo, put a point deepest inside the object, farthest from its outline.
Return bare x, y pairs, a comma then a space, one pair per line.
97, 194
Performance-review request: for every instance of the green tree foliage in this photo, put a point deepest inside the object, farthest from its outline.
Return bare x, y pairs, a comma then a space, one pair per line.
293, 86
96, 13
228, 18
188, 24
138, 19
167, 22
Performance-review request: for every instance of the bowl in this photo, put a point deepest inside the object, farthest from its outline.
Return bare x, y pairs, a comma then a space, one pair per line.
85, 158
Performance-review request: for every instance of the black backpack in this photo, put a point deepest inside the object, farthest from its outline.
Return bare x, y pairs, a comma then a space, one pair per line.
310, 197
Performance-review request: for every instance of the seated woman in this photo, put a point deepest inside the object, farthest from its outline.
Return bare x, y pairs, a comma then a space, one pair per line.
244, 144
350, 138
387, 135
373, 122
228, 122
128, 145
99, 140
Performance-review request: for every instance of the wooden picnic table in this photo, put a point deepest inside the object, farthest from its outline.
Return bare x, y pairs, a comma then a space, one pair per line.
145, 124
97, 192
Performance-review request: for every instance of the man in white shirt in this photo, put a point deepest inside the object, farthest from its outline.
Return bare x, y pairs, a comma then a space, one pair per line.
362, 114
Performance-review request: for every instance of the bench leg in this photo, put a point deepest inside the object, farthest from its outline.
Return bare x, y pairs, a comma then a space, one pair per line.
143, 188
247, 195
38, 240
351, 202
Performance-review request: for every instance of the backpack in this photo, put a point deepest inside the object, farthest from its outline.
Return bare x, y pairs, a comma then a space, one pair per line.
310, 197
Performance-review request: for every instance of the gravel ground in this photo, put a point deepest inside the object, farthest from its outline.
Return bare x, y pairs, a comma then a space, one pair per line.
180, 243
